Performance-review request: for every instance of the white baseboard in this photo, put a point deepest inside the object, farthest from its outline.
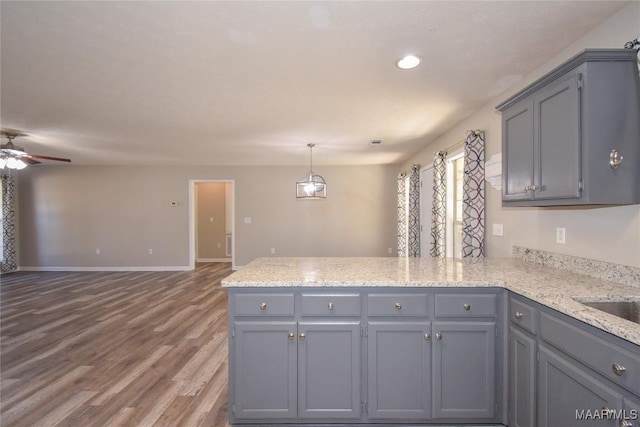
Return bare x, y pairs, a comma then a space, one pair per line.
213, 259
142, 268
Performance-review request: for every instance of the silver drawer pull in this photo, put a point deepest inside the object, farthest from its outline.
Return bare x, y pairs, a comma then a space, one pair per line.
518, 315
438, 337
330, 306
398, 306
625, 423
302, 336
467, 307
618, 369
291, 336
263, 306
427, 337
615, 159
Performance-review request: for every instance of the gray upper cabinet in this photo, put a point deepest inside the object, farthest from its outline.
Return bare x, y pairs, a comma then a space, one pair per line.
561, 134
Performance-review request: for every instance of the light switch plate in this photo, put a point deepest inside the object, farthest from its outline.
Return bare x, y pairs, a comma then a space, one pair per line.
498, 230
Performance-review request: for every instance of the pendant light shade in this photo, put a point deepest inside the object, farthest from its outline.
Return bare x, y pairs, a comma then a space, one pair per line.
314, 187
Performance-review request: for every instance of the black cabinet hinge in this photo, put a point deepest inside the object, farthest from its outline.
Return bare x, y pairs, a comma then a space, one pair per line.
364, 331
580, 82
233, 332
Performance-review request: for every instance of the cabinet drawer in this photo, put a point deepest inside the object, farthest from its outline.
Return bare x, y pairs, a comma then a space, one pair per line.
263, 304
522, 315
598, 353
330, 305
465, 305
397, 305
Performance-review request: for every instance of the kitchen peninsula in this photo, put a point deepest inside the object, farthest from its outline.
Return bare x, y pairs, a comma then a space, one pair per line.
392, 341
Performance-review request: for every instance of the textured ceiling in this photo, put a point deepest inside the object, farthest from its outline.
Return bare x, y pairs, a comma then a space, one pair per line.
248, 83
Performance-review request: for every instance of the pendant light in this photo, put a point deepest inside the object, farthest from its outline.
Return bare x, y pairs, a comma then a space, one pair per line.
314, 187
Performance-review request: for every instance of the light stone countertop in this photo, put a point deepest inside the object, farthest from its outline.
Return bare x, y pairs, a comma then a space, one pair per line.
549, 286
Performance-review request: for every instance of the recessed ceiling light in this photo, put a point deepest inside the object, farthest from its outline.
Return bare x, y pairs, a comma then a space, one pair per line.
409, 62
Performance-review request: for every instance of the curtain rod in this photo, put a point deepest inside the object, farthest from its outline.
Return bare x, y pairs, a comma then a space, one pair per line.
469, 132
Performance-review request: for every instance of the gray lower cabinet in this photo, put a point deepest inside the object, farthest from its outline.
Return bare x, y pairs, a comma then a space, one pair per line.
329, 366
563, 372
570, 396
399, 371
522, 379
305, 370
264, 370
464, 370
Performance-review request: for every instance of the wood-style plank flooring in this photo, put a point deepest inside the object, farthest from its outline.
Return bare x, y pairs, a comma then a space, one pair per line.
114, 348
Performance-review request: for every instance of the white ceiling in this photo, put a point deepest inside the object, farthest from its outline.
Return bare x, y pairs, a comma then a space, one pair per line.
249, 83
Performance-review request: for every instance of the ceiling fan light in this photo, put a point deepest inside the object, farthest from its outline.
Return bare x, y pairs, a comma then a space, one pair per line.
12, 163
20, 164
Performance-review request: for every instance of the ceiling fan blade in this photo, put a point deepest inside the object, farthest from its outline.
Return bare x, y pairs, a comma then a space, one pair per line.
28, 159
37, 156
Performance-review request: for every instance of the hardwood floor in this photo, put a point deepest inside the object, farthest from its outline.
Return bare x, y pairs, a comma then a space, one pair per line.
114, 349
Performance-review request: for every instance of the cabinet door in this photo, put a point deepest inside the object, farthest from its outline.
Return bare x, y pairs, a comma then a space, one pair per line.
264, 373
399, 356
329, 370
464, 369
568, 393
522, 380
557, 140
517, 151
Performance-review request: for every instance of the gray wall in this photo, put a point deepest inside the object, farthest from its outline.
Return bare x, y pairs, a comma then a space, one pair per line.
67, 212
609, 234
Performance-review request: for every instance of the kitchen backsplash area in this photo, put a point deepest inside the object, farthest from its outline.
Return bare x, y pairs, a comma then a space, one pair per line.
599, 269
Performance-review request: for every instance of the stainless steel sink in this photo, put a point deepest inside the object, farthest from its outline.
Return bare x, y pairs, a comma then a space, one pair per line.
629, 310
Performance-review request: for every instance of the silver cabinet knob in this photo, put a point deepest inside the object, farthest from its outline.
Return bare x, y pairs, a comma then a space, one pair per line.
615, 159
625, 423
302, 336
427, 337
398, 306
438, 336
527, 188
533, 187
291, 336
330, 306
467, 307
618, 369
518, 315
263, 306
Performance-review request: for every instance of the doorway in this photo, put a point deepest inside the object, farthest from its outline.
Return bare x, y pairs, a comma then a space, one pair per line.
211, 221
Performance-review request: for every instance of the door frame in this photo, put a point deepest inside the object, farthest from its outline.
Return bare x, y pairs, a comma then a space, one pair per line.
193, 220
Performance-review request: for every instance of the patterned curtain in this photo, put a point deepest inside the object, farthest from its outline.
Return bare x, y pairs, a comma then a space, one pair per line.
8, 225
402, 215
439, 206
473, 196
409, 213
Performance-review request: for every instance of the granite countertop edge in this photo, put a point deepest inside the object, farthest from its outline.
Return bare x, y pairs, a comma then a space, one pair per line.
551, 287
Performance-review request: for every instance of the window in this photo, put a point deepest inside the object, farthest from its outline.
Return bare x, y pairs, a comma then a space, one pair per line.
455, 196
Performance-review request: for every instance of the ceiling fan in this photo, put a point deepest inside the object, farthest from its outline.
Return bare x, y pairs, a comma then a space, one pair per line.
15, 157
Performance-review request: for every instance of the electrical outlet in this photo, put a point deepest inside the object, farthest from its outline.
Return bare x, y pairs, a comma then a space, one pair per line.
219, 245
390, 251
97, 251
247, 220
498, 230
560, 235
150, 251
273, 251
